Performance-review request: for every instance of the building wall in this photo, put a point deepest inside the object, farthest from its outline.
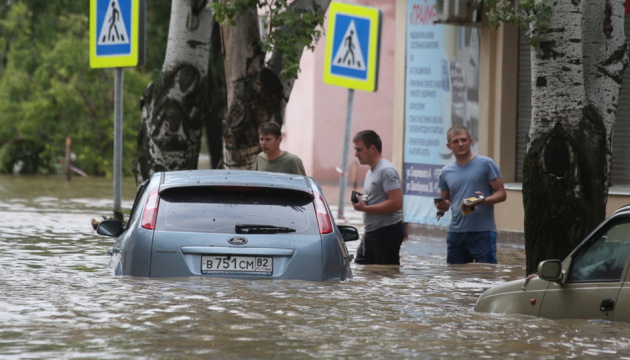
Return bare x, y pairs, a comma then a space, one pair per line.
497, 115
316, 113
497, 108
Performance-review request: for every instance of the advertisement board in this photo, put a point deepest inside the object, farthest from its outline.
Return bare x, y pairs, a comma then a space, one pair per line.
441, 90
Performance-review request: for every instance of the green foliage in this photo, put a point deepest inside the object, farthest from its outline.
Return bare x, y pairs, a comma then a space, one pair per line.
158, 17
225, 11
287, 30
531, 15
25, 156
48, 91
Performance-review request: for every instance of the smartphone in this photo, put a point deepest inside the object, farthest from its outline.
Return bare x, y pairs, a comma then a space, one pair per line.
437, 200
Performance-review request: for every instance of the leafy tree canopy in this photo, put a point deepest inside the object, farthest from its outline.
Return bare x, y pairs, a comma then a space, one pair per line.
48, 92
287, 28
532, 15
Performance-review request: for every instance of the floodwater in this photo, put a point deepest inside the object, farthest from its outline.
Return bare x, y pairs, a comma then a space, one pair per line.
59, 301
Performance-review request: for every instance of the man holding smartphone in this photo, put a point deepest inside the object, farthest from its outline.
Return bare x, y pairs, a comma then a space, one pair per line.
472, 234
382, 212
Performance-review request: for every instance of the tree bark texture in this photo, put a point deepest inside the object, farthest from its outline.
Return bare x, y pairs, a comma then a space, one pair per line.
251, 92
275, 62
576, 79
216, 100
248, 103
175, 106
255, 91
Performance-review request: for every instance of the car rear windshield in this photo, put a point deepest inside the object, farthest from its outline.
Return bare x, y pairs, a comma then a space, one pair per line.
236, 210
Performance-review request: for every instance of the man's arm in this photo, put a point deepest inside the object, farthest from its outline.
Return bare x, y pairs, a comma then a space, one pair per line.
499, 195
446, 204
393, 203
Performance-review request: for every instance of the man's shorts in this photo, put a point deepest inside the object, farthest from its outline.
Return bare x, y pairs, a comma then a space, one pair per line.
473, 246
381, 246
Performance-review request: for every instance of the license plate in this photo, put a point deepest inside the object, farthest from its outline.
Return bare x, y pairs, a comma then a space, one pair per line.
255, 265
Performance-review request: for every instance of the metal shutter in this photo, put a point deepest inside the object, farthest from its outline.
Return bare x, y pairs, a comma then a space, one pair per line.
620, 171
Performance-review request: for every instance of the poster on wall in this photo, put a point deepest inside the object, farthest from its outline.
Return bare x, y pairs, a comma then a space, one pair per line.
441, 90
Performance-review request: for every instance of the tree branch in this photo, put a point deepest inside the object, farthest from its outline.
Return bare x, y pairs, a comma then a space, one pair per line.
276, 60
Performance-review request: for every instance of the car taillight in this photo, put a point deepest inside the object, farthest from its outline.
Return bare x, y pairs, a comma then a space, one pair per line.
323, 217
151, 210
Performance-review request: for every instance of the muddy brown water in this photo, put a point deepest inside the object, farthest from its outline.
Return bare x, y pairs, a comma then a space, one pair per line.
59, 301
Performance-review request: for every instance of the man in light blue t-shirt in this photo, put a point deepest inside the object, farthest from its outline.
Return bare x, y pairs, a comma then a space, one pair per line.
472, 234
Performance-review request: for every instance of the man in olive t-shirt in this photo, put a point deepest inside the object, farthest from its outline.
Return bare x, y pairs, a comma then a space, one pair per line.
272, 158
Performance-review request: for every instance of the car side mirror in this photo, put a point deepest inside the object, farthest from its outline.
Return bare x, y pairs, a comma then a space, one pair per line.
550, 270
111, 227
349, 233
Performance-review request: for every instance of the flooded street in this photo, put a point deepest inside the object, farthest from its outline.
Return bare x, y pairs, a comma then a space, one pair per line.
59, 300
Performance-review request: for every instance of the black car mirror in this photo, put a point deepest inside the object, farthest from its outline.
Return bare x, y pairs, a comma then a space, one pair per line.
349, 233
110, 228
550, 270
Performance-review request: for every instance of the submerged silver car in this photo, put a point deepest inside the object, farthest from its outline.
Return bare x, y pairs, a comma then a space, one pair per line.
239, 224
593, 282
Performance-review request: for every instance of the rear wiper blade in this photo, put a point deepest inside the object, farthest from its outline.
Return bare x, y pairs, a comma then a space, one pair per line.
261, 229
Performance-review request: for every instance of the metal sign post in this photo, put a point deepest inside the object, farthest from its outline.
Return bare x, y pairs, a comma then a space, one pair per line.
116, 41
343, 181
352, 53
118, 141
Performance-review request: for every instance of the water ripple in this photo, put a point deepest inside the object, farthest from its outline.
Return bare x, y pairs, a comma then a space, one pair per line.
59, 300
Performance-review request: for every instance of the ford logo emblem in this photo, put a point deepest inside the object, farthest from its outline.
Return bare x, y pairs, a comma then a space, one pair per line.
237, 241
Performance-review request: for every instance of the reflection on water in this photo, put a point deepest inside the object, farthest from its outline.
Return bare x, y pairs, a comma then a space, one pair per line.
59, 300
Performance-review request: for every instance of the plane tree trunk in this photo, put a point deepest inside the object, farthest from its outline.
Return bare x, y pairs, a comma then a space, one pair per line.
576, 78
174, 107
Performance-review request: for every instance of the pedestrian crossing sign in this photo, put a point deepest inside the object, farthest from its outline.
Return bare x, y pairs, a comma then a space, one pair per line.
116, 33
352, 46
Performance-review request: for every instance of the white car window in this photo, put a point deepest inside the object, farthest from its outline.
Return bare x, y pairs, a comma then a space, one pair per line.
140, 199
603, 258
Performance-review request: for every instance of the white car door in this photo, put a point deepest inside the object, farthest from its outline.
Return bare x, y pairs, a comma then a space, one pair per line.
594, 277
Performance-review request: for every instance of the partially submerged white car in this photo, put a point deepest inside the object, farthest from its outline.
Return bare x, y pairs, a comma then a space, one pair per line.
593, 282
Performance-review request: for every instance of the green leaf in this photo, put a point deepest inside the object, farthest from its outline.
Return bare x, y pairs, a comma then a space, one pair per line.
532, 15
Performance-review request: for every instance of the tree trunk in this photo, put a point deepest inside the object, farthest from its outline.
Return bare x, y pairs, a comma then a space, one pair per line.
576, 79
255, 93
244, 69
175, 106
275, 63
216, 102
